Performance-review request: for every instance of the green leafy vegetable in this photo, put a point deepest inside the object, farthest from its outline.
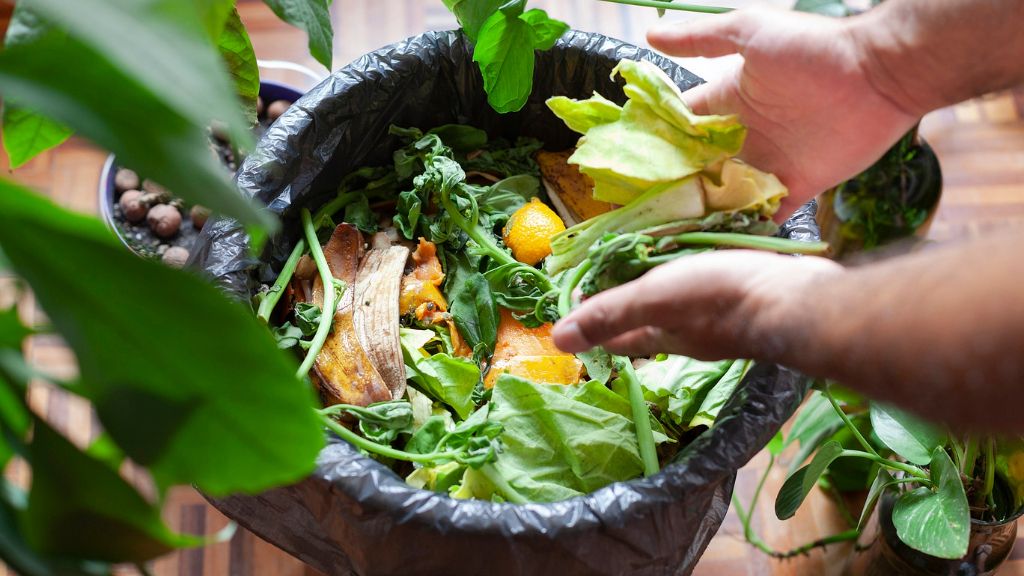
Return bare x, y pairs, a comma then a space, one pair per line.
587, 447
476, 313
653, 140
359, 214
678, 385
307, 317
314, 17
936, 522
381, 422
175, 409
446, 378
905, 434
720, 394
504, 50
472, 14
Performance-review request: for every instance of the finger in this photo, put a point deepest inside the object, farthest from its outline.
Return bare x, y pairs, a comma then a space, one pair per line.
607, 315
643, 341
710, 37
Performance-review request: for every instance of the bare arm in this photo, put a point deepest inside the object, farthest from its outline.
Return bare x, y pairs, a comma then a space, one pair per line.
823, 98
940, 332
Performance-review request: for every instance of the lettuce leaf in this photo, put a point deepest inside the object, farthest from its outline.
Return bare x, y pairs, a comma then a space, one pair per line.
445, 378
653, 139
678, 385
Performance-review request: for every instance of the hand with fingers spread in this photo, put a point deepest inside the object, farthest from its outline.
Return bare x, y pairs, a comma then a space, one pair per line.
815, 116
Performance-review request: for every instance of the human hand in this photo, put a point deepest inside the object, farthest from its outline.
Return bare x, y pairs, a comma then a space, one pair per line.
709, 306
806, 90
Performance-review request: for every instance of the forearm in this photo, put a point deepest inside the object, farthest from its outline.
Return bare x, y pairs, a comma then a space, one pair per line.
940, 332
926, 54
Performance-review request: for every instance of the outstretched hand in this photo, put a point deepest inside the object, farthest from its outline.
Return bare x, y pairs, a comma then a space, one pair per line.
709, 306
806, 90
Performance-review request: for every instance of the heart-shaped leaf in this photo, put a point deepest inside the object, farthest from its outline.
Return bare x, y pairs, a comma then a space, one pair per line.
935, 521
905, 434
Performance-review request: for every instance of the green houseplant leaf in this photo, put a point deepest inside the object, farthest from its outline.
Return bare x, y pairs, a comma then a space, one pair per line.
797, 486
313, 16
935, 522
906, 435
237, 52
169, 384
78, 506
138, 121
26, 134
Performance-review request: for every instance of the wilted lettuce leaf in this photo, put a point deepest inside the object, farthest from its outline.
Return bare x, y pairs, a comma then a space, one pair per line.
446, 378
556, 446
720, 394
678, 385
653, 139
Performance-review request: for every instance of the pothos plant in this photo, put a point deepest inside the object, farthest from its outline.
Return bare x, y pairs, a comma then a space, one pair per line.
187, 385
940, 481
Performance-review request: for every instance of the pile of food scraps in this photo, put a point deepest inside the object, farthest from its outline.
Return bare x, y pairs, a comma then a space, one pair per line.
443, 272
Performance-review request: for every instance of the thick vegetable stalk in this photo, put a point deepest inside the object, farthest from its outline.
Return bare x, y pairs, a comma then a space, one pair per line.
330, 295
641, 416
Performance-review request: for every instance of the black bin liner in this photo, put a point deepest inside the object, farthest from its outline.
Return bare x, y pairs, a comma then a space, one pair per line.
355, 516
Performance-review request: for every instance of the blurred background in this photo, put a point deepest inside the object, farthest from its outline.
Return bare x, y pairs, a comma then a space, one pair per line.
980, 144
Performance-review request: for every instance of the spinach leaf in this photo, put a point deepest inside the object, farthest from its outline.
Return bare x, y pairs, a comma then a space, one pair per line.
382, 422
500, 200
507, 159
288, 336
428, 436
504, 50
476, 313
556, 446
358, 214
461, 137
445, 378
307, 317
174, 393
314, 17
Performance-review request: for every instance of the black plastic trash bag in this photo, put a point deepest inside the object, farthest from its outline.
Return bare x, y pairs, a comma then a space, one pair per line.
355, 516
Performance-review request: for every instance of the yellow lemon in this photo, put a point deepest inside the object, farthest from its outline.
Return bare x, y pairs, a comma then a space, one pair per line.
529, 231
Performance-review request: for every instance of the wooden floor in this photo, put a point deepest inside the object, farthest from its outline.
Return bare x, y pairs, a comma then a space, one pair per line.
980, 144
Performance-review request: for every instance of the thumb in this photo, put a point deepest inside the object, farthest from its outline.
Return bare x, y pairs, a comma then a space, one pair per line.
713, 36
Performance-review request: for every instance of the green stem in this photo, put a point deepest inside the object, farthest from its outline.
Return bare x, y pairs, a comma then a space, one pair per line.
501, 483
565, 294
846, 420
734, 240
339, 202
329, 304
386, 451
667, 5
641, 416
970, 457
273, 295
914, 471
990, 470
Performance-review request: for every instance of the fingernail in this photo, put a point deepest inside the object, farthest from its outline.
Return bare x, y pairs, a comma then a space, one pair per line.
569, 337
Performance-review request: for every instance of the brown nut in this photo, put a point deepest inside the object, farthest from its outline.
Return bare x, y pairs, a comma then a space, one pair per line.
126, 179
132, 206
199, 215
175, 257
260, 108
276, 108
164, 220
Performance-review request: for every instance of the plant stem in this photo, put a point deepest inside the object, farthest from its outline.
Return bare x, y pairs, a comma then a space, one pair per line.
501, 483
970, 457
386, 451
672, 6
914, 471
990, 471
339, 202
272, 296
734, 240
329, 305
846, 420
565, 294
641, 416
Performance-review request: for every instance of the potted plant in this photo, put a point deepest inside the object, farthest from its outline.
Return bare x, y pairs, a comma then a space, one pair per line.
945, 503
